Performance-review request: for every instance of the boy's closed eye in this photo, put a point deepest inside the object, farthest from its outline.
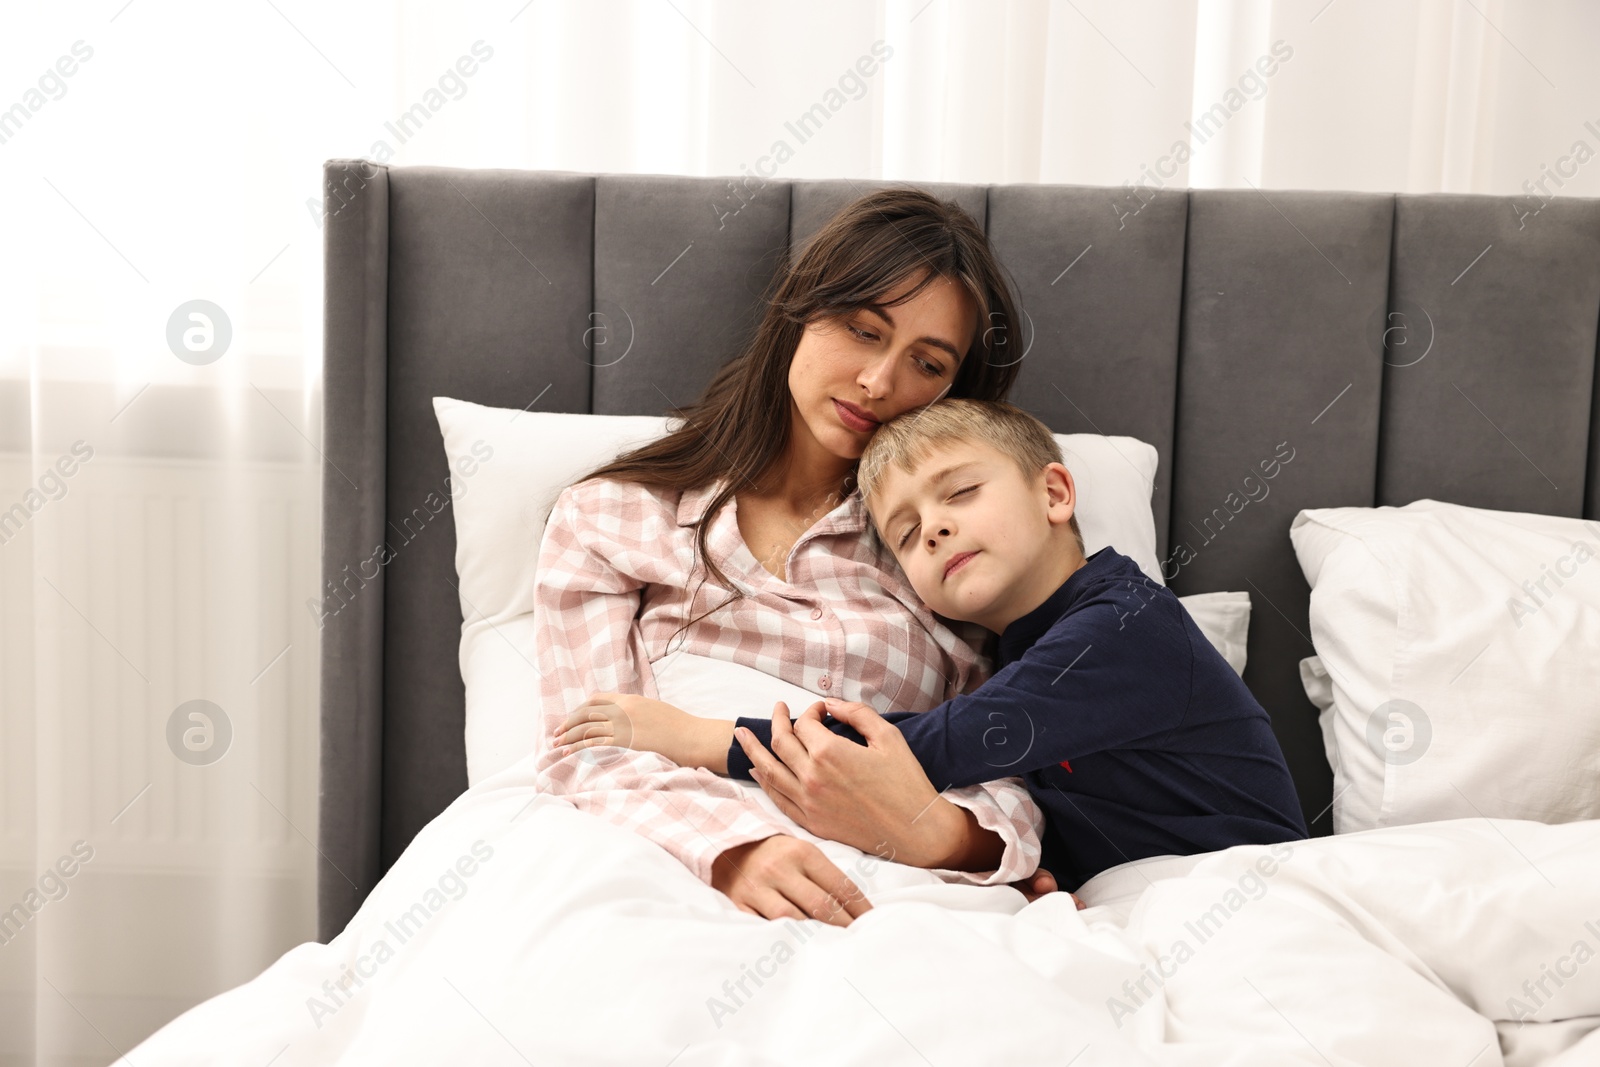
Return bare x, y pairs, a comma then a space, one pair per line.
900, 544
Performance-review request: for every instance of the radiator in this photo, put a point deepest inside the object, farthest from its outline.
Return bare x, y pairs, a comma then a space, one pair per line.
147, 584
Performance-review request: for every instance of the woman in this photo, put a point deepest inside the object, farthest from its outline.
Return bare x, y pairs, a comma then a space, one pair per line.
740, 535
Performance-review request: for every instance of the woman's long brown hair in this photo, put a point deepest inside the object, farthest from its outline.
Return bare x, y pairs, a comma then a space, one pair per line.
740, 427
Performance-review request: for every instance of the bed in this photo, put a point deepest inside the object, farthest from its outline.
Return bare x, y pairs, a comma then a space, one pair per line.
1407, 347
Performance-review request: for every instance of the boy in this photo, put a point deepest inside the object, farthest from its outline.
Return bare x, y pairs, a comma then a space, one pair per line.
1130, 730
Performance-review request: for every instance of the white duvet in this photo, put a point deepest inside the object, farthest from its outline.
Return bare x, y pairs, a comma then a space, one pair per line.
516, 930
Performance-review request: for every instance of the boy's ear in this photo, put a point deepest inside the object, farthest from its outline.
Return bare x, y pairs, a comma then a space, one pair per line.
1061, 492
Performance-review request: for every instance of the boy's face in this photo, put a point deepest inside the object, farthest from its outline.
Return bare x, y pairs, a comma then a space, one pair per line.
979, 541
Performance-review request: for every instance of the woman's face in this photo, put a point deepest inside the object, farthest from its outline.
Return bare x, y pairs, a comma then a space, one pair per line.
850, 374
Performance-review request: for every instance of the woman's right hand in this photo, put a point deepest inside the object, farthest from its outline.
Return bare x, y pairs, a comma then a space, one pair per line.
783, 877
627, 720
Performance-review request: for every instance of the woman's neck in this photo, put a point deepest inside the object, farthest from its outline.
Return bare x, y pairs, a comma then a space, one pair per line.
807, 475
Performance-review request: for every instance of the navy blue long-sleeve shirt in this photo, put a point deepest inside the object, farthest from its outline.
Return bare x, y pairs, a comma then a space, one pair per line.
1132, 733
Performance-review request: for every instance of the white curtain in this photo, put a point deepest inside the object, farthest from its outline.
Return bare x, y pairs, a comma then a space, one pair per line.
160, 327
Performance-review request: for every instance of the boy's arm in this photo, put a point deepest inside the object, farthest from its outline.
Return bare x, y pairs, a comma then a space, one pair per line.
877, 796
1103, 679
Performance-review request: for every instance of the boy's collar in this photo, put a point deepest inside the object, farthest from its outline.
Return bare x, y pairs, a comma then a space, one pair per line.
1023, 633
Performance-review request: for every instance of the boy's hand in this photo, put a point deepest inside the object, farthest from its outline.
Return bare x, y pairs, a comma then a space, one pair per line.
1037, 885
1041, 882
642, 724
858, 795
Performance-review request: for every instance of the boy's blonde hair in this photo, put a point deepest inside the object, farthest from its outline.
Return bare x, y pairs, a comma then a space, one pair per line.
906, 440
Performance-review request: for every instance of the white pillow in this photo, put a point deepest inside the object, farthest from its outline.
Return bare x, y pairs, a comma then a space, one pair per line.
534, 455
500, 523
719, 689
1114, 478
1450, 684
1225, 620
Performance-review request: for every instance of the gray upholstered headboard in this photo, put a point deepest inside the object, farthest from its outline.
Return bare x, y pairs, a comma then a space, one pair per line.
1403, 347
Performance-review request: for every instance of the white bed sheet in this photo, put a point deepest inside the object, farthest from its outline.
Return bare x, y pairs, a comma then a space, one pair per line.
566, 940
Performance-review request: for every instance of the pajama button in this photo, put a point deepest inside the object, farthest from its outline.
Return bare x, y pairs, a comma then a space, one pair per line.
823, 681
816, 613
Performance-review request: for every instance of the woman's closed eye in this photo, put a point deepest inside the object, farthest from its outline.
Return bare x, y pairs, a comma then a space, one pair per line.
913, 527
926, 366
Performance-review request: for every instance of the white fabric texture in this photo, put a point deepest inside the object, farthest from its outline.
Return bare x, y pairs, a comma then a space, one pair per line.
1225, 620
1456, 667
514, 926
718, 689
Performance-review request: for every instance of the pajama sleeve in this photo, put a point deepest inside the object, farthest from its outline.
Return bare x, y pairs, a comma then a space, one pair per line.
1009, 810
597, 541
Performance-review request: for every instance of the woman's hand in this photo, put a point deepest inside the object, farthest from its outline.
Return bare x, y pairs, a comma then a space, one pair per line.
630, 721
865, 796
783, 877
